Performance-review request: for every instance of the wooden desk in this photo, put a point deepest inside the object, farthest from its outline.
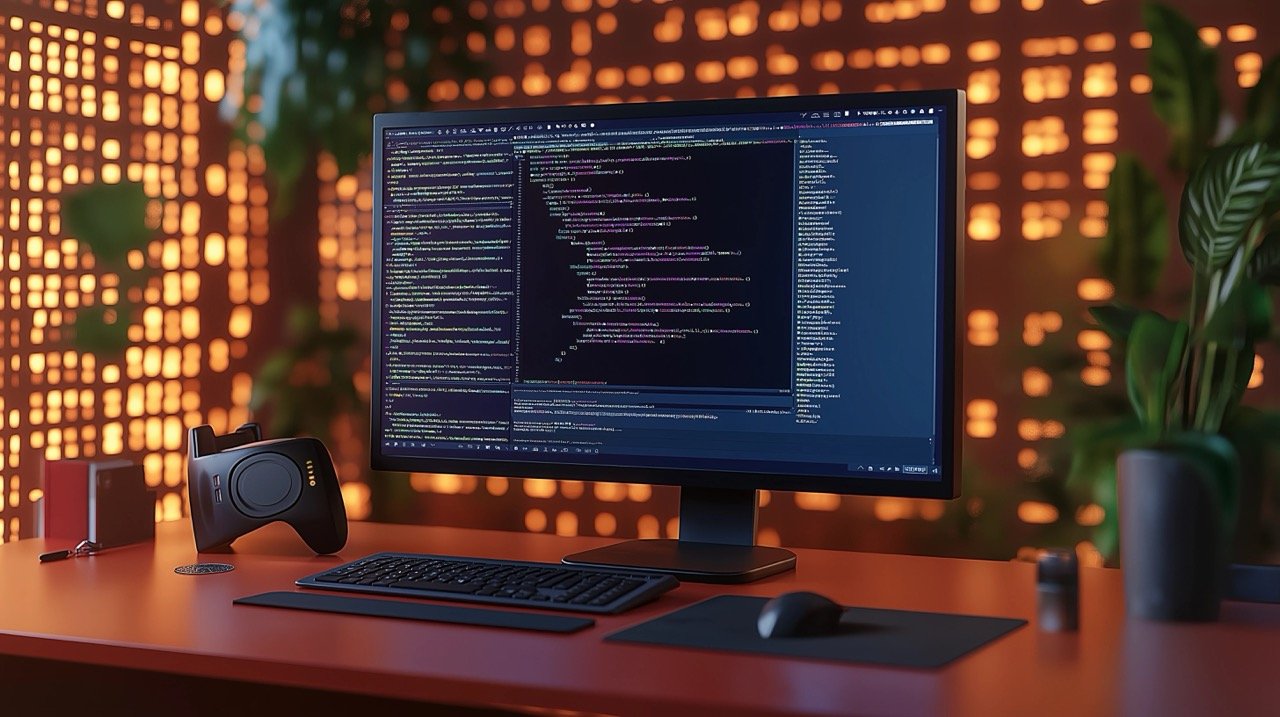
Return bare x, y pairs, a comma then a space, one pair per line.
127, 608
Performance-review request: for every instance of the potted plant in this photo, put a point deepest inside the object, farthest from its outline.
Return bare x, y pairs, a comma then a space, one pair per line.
1179, 477
1197, 115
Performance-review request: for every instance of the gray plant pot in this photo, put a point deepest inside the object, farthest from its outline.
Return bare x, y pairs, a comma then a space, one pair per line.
1173, 552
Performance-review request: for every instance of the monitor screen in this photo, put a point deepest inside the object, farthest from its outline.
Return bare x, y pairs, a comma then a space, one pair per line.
750, 293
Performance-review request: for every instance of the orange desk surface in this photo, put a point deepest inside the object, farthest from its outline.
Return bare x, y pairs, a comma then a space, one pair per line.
127, 608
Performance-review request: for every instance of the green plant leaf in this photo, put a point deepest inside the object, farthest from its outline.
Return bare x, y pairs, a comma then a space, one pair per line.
1154, 353
100, 330
1221, 201
1106, 537
1262, 108
1116, 319
110, 219
1244, 317
1264, 265
1095, 445
1237, 379
1136, 244
1184, 91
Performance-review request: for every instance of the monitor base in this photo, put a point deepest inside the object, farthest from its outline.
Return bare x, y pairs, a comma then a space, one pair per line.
690, 561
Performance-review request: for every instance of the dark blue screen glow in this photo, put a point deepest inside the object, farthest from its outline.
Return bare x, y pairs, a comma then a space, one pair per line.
758, 293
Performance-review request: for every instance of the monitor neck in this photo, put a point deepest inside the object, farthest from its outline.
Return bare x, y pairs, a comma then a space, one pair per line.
718, 515
716, 545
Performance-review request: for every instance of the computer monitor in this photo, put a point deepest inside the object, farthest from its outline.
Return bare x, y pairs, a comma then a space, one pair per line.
724, 295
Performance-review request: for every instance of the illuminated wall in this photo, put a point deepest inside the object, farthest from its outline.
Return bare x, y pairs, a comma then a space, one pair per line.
108, 90
1056, 87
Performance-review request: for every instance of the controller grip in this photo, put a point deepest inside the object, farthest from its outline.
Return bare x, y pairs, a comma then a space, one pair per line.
237, 484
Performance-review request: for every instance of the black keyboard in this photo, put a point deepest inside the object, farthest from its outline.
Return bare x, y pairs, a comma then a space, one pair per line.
499, 582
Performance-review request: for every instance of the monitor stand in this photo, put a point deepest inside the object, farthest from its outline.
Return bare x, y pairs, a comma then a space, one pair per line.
716, 545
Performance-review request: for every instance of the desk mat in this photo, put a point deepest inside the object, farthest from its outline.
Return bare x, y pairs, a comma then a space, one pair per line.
373, 607
896, 638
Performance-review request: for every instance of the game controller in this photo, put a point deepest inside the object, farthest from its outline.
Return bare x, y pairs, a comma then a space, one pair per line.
238, 482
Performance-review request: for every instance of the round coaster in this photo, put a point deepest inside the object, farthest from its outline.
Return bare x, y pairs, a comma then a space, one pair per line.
204, 569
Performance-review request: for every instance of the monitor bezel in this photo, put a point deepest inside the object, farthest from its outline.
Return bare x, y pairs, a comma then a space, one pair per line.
947, 485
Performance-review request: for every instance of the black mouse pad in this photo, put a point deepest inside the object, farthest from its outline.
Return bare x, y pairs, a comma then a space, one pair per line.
868, 635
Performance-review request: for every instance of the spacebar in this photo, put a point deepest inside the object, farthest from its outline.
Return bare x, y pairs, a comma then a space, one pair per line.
457, 615
428, 585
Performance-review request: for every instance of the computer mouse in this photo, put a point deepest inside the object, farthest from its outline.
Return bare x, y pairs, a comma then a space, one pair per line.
799, 614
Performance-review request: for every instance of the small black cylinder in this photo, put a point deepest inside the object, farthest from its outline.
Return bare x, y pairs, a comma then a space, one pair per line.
1058, 590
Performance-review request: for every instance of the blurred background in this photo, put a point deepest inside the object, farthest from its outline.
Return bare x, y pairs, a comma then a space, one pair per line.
186, 222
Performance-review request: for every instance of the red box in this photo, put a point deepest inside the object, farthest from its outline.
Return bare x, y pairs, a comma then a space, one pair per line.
66, 500
105, 501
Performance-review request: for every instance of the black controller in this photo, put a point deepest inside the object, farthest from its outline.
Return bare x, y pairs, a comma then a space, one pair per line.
238, 482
